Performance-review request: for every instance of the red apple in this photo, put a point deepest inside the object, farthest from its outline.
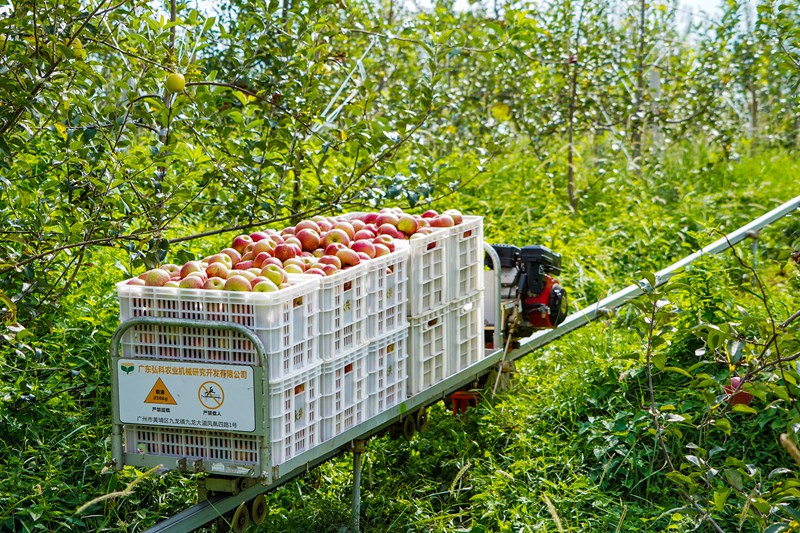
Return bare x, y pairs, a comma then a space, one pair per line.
260, 259
294, 261
386, 240
442, 221
348, 257
172, 283
289, 230
285, 251
220, 258
256, 280
307, 224
293, 269
333, 247
358, 224
217, 270
274, 273
315, 272
346, 227
135, 281
388, 229
336, 235
248, 256
386, 218
319, 252
264, 245
259, 236
233, 254
171, 268
407, 224
370, 218
237, 283
192, 282
216, 284
309, 238
157, 278
272, 261
240, 242
363, 234
430, 213
277, 239
455, 214
189, 267
331, 260
381, 250
324, 226
371, 227
244, 265
365, 246
265, 286
249, 276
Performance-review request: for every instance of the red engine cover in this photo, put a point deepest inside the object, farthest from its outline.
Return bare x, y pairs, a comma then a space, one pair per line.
537, 308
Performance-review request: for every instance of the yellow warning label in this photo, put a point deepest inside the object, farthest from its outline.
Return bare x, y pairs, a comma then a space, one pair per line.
160, 394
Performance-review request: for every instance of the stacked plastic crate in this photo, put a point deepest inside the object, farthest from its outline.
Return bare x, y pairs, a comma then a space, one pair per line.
286, 322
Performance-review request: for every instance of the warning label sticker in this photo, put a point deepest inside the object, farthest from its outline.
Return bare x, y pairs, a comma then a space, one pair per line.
182, 394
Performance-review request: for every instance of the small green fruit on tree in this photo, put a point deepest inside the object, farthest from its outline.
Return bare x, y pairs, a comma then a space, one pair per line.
175, 82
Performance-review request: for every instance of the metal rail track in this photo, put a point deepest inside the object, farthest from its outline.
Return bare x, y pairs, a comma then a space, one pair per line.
206, 511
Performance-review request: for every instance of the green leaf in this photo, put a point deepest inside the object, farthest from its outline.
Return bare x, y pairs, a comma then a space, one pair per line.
719, 498
724, 425
734, 477
741, 408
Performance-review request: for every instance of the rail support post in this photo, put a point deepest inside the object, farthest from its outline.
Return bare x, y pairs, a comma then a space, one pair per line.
359, 448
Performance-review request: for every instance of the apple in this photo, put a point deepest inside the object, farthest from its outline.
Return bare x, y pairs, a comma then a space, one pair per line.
293, 269
255, 271
171, 268
388, 229
369, 218
307, 224
274, 273
319, 252
189, 267
324, 226
217, 270
276, 238
385, 240
329, 269
157, 278
364, 246
220, 258
331, 260
192, 282
135, 281
284, 252
407, 224
172, 283
256, 280
243, 265
289, 230
233, 254
292, 239
737, 396
316, 272
201, 274
265, 286
442, 221
346, 227
364, 234
249, 276
259, 236
309, 239
336, 235
175, 82
348, 257
240, 242
371, 227
294, 261
264, 245
455, 214
358, 224
387, 218
430, 213
425, 230
248, 256
363, 256
381, 250
214, 283
237, 283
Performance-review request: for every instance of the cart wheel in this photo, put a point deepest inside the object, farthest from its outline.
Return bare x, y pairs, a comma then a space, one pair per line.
222, 524
409, 427
395, 431
241, 519
258, 509
422, 420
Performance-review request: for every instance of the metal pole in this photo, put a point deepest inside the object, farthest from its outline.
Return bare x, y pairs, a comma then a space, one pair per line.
497, 342
359, 447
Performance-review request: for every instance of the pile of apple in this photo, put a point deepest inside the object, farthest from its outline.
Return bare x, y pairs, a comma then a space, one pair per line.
262, 261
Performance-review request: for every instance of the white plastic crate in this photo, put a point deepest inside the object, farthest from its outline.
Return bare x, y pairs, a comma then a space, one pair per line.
295, 426
387, 297
465, 333
344, 392
427, 349
388, 372
427, 272
295, 414
343, 311
285, 321
465, 263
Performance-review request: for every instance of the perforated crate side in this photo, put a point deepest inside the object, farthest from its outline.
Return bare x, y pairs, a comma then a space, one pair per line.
465, 332
194, 444
427, 272
343, 312
295, 413
388, 372
283, 321
344, 383
427, 350
465, 262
